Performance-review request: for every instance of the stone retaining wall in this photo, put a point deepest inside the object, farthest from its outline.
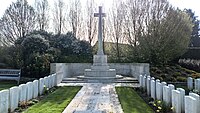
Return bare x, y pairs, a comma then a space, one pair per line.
77, 69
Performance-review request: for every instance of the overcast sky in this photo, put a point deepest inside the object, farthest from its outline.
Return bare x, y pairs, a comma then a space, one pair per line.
192, 4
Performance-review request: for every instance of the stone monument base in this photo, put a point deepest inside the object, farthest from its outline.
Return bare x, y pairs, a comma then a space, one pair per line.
100, 71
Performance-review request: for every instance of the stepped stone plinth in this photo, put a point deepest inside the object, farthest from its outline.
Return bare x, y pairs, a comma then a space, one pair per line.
100, 70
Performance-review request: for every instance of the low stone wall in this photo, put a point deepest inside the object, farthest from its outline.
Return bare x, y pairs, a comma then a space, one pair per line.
77, 69
10, 98
172, 96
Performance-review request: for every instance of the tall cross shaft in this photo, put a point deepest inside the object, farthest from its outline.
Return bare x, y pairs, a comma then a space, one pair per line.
100, 42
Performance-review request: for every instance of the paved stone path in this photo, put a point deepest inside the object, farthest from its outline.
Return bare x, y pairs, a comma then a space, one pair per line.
95, 98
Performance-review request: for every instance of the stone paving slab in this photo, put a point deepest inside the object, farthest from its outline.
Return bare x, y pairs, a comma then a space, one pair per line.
116, 84
94, 98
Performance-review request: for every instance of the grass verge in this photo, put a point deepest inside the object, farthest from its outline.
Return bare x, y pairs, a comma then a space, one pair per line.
131, 102
7, 84
55, 102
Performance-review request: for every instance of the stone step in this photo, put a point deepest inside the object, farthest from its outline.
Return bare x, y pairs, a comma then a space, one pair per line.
77, 80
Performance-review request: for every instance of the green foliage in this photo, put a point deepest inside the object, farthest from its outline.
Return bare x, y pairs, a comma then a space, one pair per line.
167, 39
34, 44
161, 106
195, 39
34, 52
172, 73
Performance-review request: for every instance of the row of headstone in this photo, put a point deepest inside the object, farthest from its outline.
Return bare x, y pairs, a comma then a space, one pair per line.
10, 98
171, 96
196, 82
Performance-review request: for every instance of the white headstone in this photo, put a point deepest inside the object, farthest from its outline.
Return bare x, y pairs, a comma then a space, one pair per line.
41, 86
35, 88
171, 87
190, 83
4, 99
140, 80
14, 98
53, 80
190, 105
182, 93
195, 84
144, 82
22, 92
29, 90
159, 89
163, 84
176, 101
46, 82
49, 81
196, 96
148, 86
153, 89
166, 94
152, 78
198, 84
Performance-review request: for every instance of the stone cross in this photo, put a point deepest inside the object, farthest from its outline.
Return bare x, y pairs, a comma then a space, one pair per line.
100, 43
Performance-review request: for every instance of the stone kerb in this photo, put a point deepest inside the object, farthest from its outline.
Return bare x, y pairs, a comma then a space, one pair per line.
166, 94
14, 98
22, 92
176, 101
4, 99
35, 88
190, 83
153, 89
197, 102
190, 106
182, 94
41, 86
29, 90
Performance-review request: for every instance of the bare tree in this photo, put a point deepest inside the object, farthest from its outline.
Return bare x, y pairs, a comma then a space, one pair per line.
42, 10
116, 24
59, 16
75, 16
91, 22
154, 29
17, 21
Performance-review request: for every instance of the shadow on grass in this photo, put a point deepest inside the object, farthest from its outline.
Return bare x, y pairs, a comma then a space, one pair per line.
131, 102
55, 102
6, 84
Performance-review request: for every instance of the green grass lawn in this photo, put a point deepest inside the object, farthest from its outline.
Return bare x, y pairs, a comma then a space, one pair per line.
55, 102
7, 84
131, 102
